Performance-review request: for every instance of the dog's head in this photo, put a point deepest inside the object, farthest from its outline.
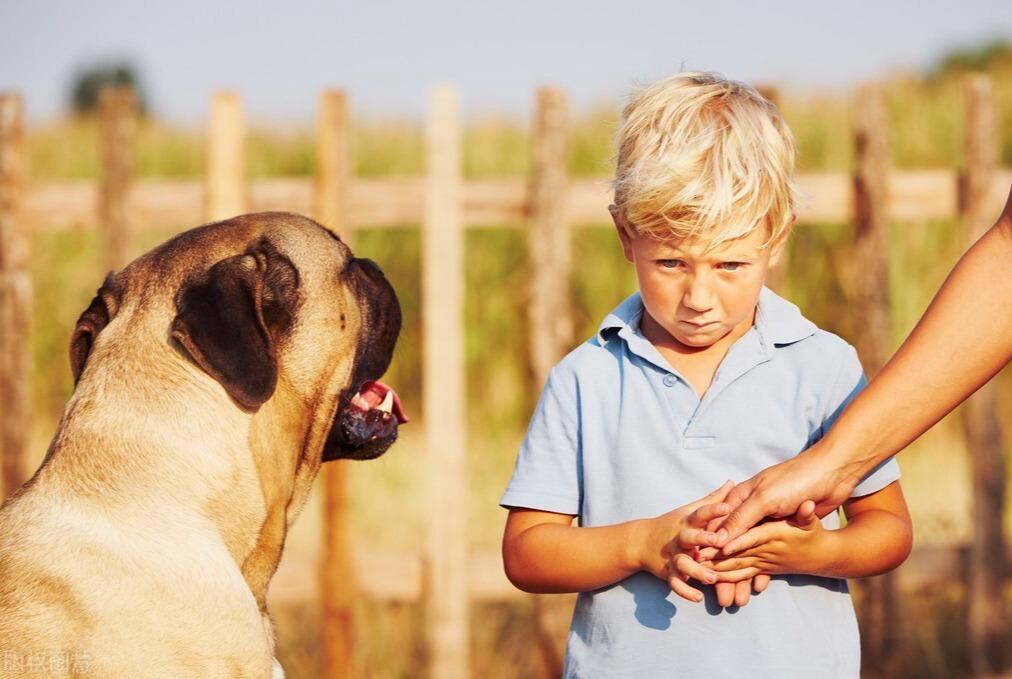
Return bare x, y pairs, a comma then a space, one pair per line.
261, 304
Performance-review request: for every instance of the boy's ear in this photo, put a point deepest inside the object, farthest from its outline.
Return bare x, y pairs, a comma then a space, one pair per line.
777, 248
624, 236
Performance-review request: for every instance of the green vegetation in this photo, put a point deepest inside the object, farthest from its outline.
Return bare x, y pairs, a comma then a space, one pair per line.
89, 81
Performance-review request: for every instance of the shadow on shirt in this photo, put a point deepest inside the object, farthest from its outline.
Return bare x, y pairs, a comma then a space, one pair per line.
655, 609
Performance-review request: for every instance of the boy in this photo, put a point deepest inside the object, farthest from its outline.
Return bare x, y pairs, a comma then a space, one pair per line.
703, 375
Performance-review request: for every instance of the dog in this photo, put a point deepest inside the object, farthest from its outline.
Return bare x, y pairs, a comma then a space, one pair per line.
213, 375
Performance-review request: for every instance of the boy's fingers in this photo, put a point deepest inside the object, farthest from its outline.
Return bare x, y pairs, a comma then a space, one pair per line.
737, 575
706, 554
705, 514
685, 566
684, 590
760, 583
696, 537
725, 593
742, 592
733, 564
753, 537
805, 512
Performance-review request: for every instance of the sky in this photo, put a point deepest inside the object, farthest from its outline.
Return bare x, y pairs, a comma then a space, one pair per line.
386, 54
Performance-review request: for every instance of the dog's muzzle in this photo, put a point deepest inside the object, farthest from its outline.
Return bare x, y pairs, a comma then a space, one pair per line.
370, 411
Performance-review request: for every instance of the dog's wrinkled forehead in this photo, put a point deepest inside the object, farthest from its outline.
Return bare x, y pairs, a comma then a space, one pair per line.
317, 251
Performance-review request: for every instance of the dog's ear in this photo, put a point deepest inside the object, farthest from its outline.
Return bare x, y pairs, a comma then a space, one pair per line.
231, 318
89, 324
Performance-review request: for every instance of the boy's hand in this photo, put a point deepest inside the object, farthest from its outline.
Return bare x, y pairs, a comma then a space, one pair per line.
673, 560
738, 593
776, 547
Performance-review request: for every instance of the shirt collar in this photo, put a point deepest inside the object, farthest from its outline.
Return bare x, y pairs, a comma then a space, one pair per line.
778, 321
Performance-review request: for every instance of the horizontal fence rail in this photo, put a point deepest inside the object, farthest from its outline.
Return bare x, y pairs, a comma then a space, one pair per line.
389, 202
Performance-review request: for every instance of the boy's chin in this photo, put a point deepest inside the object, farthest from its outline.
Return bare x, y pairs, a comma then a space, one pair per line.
700, 340
696, 342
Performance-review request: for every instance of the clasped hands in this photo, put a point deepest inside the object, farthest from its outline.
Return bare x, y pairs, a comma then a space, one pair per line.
744, 564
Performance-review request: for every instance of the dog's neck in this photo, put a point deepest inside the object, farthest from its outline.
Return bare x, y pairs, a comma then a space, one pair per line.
248, 475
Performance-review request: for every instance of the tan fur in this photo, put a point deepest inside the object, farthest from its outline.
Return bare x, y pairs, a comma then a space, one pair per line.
145, 543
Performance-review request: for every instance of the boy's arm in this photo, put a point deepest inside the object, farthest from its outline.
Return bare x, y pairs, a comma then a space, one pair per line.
543, 553
876, 539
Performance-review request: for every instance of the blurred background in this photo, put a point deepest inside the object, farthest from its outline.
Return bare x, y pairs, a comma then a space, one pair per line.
904, 125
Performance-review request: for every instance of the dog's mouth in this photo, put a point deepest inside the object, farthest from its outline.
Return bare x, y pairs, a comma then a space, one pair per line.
373, 413
367, 422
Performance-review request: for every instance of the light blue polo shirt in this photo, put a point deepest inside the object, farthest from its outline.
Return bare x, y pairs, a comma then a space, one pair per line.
619, 435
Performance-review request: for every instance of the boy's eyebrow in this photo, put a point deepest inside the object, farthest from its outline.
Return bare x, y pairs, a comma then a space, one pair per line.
672, 252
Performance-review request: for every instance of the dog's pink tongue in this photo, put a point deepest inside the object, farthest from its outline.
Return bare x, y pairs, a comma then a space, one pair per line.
374, 392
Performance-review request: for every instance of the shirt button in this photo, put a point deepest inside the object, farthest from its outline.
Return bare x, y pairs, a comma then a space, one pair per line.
669, 380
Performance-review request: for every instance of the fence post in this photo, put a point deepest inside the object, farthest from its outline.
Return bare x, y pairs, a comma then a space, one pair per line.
225, 188
15, 299
871, 248
337, 568
986, 629
548, 239
550, 318
776, 279
117, 106
443, 389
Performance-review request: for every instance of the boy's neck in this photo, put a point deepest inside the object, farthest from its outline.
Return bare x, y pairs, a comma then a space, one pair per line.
695, 364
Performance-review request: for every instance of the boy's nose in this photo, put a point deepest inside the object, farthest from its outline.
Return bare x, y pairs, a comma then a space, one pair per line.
698, 294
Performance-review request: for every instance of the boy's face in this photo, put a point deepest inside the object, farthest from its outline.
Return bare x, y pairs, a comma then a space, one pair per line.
697, 297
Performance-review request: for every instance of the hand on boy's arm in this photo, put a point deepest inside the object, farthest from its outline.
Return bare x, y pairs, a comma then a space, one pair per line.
737, 586
876, 539
796, 545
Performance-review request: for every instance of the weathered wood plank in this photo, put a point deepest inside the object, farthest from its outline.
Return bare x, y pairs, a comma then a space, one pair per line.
398, 201
226, 158
447, 596
986, 625
15, 299
337, 570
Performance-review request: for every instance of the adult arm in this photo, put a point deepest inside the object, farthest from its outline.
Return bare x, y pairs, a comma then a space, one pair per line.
963, 339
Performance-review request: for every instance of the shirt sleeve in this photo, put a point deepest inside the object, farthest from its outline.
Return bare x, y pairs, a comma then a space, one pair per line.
546, 475
850, 381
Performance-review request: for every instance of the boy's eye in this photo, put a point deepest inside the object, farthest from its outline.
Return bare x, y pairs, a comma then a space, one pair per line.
670, 263
731, 266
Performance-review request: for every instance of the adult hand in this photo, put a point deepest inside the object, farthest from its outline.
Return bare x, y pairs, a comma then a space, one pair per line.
780, 490
794, 545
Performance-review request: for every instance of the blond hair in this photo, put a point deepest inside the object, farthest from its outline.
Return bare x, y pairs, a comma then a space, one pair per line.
699, 156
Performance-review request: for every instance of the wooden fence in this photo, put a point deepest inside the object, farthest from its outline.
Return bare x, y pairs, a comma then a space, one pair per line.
549, 203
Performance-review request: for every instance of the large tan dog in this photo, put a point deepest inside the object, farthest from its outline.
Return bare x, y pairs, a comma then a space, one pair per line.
214, 374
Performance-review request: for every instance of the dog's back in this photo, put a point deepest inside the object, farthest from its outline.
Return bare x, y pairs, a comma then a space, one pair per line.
70, 608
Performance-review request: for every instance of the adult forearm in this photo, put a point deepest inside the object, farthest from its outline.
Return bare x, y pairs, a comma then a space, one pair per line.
553, 558
963, 339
